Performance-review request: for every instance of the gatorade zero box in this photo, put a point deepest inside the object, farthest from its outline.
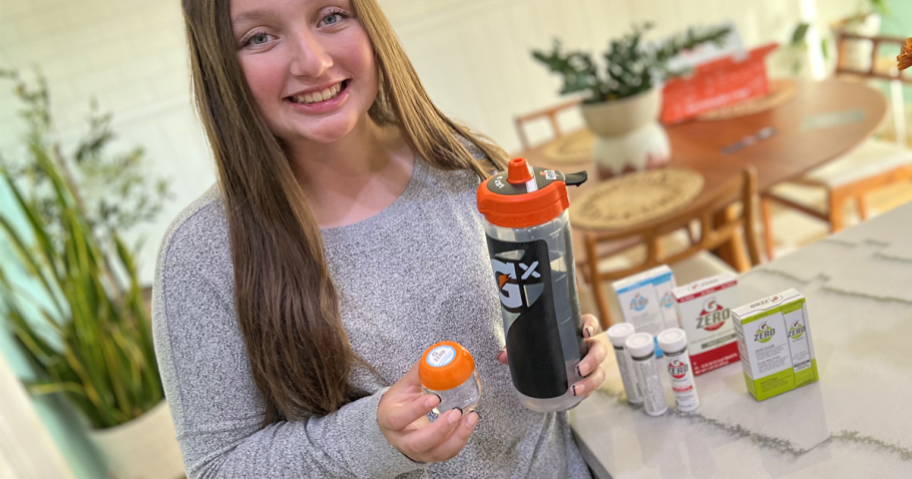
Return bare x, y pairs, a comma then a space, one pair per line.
704, 309
528, 232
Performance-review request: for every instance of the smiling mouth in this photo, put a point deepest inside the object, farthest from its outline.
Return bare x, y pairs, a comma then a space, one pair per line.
321, 96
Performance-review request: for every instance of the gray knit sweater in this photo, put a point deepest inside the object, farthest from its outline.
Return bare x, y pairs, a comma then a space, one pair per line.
416, 273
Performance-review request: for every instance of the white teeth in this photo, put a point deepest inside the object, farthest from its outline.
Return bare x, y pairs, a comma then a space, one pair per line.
309, 98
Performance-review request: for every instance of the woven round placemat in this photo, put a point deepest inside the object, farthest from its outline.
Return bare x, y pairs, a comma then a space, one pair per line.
573, 148
634, 198
780, 92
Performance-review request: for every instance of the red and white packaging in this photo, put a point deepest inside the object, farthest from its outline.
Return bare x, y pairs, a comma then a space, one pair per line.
704, 309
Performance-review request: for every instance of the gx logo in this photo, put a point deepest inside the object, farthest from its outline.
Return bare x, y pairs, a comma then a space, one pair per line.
519, 283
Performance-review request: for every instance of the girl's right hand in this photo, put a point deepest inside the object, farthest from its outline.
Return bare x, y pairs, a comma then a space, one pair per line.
401, 416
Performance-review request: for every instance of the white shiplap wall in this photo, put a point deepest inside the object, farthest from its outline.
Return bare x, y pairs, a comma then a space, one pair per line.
472, 55
475, 57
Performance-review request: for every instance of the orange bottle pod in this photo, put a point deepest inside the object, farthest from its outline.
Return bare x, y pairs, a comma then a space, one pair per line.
448, 371
445, 365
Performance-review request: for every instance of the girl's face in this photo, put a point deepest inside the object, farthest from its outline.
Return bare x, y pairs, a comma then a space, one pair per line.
308, 63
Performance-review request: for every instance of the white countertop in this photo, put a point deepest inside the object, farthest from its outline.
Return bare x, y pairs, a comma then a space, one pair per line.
855, 422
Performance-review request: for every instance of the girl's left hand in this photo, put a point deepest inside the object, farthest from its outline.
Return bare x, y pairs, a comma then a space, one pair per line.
589, 371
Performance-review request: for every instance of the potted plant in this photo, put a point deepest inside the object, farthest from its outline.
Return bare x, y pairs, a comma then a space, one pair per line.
622, 102
86, 329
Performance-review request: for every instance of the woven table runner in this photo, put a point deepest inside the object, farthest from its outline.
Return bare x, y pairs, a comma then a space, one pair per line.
636, 197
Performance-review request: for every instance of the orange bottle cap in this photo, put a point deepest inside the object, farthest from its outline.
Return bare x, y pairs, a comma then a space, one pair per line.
445, 365
518, 171
505, 199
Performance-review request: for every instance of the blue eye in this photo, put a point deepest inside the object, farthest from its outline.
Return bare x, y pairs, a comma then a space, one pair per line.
256, 38
259, 39
334, 17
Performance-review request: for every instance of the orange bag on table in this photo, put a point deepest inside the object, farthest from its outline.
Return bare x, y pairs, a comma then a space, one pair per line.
716, 84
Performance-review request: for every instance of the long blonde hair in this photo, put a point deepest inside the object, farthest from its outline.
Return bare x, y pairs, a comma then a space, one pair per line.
287, 306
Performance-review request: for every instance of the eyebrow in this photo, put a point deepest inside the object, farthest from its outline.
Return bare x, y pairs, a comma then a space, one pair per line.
249, 15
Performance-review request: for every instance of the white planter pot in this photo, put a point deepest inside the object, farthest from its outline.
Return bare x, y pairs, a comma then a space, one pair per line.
144, 448
619, 117
628, 134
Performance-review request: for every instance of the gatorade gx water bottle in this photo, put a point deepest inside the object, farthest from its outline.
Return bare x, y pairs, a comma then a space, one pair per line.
528, 231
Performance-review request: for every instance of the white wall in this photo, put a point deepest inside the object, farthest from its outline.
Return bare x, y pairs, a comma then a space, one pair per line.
475, 57
472, 55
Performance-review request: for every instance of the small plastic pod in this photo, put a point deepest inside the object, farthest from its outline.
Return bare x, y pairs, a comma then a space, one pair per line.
448, 370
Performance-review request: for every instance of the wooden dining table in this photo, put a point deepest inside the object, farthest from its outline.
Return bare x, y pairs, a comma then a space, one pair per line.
822, 121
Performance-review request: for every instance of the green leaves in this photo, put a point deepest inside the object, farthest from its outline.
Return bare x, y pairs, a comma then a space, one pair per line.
799, 34
577, 68
112, 189
88, 335
880, 6
631, 66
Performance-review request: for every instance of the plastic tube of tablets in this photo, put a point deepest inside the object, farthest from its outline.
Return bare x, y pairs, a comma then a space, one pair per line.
642, 349
674, 343
618, 334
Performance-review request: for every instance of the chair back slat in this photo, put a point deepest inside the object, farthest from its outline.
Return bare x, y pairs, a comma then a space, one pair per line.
843, 39
551, 113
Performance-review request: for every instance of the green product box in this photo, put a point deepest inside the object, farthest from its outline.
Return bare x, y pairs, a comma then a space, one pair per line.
774, 340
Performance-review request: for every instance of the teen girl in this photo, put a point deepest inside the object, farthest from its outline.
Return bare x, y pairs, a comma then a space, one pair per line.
293, 300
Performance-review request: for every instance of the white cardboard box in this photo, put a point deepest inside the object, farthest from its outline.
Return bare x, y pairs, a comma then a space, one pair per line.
704, 309
646, 301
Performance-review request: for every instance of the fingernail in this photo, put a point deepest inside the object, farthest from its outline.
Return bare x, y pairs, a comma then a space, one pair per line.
579, 370
588, 331
429, 402
454, 417
472, 419
578, 389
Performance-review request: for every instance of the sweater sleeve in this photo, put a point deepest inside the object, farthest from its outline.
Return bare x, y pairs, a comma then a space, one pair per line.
216, 406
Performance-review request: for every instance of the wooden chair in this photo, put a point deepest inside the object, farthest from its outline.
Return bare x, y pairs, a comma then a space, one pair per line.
873, 164
551, 113
692, 261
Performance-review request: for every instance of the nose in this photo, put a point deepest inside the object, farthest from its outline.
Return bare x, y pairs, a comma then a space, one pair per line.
309, 59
